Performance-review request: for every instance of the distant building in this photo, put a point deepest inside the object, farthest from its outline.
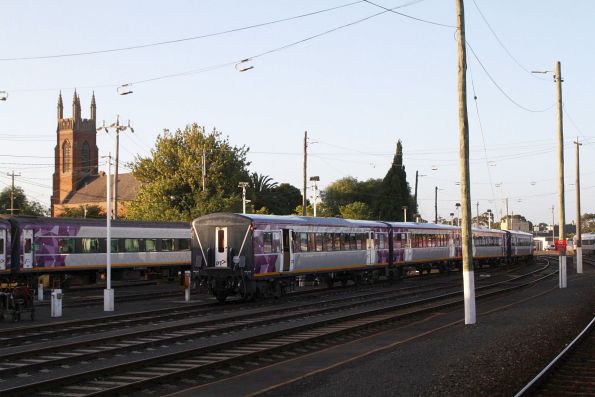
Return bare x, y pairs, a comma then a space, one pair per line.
76, 181
515, 222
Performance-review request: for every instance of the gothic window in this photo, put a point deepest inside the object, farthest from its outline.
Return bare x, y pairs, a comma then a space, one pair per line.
85, 157
66, 157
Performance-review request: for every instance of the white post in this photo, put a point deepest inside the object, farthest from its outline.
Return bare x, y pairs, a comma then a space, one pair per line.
108, 293
40, 292
315, 197
562, 270
187, 283
579, 260
56, 303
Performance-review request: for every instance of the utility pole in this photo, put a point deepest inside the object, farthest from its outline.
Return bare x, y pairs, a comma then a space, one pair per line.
304, 209
477, 213
561, 216
415, 194
117, 128
468, 273
435, 204
12, 192
579, 245
553, 226
314, 179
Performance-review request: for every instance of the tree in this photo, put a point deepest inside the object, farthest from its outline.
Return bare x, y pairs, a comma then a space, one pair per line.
259, 189
356, 210
22, 205
395, 191
588, 223
171, 177
89, 211
283, 199
349, 190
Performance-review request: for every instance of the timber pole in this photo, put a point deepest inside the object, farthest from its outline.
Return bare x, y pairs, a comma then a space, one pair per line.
561, 205
468, 274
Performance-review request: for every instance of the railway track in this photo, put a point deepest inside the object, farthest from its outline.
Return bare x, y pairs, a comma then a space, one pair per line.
69, 329
219, 345
571, 373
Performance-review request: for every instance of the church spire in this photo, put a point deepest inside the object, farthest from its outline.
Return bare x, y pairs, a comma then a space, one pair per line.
93, 107
74, 106
60, 106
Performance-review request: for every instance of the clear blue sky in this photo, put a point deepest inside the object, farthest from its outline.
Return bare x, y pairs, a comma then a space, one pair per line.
356, 90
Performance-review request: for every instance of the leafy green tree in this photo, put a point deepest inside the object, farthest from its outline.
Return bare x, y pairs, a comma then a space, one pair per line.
588, 223
89, 211
395, 191
349, 190
356, 210
283, 199
22, 205
321, 211
171, 176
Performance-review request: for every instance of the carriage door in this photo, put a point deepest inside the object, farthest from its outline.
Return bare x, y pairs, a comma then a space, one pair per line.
287, 249
221, 247
371, 249
27, 249
2, 249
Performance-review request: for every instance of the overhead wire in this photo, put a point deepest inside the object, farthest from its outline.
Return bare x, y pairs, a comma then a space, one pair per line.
180, 40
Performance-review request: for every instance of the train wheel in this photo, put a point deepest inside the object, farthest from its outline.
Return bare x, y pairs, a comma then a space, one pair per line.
221, 296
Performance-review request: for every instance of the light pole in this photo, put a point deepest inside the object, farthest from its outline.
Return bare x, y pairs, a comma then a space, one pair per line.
117, 129
458, 206
489, 211
108, 292
404, 213
417, 175
243, 185
314, 179
452, 215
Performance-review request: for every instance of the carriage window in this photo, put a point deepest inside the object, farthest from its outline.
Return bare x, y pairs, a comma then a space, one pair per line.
90, 245
151, 245
220, 240
304, 242
27, 246
328, 242
318, 242
131, 245
381, 241
1, 246
352, 242
267, 243
167, 244
66, 245
183, 244
337, 239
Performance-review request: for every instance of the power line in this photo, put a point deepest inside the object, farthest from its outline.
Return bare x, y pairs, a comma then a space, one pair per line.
409, 16
503, 46
180, 40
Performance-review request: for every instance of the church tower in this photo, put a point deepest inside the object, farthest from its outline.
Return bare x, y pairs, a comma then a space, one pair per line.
76, 153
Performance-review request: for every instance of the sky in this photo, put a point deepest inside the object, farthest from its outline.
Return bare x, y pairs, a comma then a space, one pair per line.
355, 80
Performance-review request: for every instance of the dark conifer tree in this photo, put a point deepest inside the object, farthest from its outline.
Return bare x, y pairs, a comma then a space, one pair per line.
396, 192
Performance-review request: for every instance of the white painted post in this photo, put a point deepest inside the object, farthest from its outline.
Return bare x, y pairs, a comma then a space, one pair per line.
187, 281
40, 292
579, 260
108, 293
56, 303
562, 270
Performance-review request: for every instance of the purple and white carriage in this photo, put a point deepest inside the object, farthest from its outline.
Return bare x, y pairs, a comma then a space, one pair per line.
263, 254
59, 246
5, 247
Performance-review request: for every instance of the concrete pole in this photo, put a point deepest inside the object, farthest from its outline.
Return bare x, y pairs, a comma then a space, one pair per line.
404, 213
204, 167
579, 245
315, 188
415, 195
108, 293
468, 273
305, 185
553, 226
561, 204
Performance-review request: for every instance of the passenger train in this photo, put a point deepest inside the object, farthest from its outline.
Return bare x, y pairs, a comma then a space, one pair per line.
61, 248
261, 255
588, 243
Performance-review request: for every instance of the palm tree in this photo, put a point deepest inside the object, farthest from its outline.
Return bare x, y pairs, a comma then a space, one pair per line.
260, 185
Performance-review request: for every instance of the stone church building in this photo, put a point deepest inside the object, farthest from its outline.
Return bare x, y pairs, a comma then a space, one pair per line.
76, 181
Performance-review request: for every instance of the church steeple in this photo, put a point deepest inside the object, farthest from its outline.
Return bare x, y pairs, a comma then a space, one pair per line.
60, 107
75, 106
93, 107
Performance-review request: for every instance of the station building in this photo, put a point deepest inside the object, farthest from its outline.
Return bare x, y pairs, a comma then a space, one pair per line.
76, 180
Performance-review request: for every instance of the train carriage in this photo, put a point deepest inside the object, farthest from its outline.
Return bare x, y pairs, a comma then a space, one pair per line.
588, 243
5, 247
256, 254
57, 246
519, 245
